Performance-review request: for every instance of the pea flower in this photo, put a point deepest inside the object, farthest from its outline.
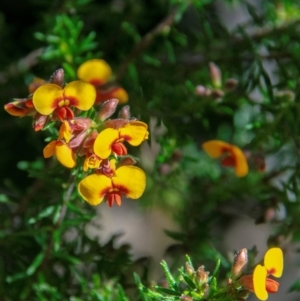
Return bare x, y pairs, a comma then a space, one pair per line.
232, 156
51, 98
111, 139
21, 107
128, 181
98, 73
259, 282
60, 148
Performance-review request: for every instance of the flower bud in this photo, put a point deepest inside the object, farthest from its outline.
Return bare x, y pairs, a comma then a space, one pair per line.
189, 269
240, 260
125, 112
115, 123
37, 82
230, 84
58, 77
165, 169
39, 121
200, 90
217, 94
78, 139
126, 161
107, 109
81, 123
202, 276
215, 74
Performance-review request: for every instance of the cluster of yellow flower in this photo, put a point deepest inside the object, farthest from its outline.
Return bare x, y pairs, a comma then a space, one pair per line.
100, 142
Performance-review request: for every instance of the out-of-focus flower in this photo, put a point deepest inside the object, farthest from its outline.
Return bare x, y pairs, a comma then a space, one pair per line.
232, 156
259, 282
111, 139
51, 98
128, 181
98, 73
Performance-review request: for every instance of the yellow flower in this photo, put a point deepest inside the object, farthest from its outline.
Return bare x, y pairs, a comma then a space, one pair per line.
111, 139
128, 181
259, 282
63, 152
232, 155
98, 73
51, 97
273, 265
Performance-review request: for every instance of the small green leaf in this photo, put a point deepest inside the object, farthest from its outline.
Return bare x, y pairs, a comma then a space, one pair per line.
35, 264
167, 291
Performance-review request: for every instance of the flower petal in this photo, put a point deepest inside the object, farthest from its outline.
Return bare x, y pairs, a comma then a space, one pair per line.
273, 262
18, 108
104, 142
216, 148
134, 132
259, 282
116, 92
96, 72
130, 180
241, 165
45, 98
49, 149
65, 131
81, 95
65, 155
120, 94
93, 188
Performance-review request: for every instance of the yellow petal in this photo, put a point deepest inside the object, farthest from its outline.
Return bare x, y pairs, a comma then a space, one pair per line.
45, 98
120, 94
49, 149
81, 95
241, 167
134, 132
273, 262
130, 180
259, 282
104, 142
96, 72
93, 188
65, 131
216, 148
65, 155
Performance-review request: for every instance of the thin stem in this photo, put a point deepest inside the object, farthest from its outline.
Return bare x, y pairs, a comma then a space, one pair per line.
146, 41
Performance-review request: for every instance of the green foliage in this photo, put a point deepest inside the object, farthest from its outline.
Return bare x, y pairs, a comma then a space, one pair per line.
160, 52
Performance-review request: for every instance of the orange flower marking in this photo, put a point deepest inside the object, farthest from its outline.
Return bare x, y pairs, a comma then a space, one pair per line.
50, 97
111, 140
232, 155
129, 181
